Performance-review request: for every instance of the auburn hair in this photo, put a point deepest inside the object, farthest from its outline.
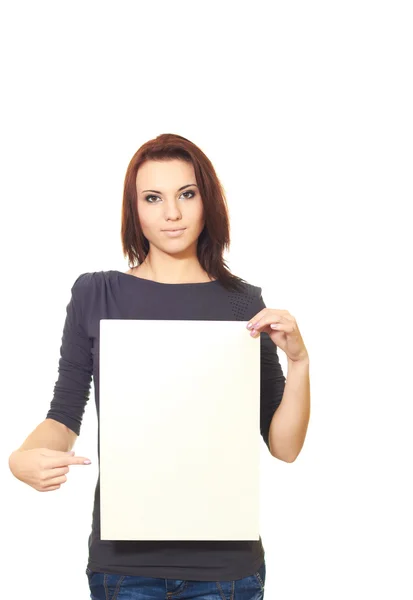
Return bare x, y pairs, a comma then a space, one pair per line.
214, 238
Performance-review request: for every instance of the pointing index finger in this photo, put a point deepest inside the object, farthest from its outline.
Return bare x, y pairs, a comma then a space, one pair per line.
65, 460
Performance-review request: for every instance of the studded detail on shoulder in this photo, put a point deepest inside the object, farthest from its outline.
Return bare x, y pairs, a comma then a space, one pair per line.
241, 301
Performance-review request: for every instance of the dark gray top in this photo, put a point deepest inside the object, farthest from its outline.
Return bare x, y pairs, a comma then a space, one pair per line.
118, 295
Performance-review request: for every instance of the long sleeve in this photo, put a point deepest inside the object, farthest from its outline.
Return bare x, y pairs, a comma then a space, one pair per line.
72, 388
272, 377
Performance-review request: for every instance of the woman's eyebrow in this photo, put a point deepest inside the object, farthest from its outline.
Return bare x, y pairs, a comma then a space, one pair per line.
181, 188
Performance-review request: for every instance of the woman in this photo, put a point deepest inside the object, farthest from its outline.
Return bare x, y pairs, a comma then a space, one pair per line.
175, 226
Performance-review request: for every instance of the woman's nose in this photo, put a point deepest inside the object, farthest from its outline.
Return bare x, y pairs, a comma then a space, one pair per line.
172, 211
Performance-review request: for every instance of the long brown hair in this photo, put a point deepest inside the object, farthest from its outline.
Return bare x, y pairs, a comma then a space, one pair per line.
215, 236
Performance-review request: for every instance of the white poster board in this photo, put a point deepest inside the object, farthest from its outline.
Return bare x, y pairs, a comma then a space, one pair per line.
179, 430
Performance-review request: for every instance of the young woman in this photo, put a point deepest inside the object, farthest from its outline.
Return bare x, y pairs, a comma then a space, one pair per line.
175, 226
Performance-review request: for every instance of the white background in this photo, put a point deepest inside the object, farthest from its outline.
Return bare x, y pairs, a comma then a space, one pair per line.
305, 110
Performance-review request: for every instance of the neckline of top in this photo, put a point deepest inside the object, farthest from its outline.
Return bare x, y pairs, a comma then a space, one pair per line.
162, 283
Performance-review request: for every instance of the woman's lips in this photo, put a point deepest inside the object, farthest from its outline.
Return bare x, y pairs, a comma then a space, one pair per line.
175, 233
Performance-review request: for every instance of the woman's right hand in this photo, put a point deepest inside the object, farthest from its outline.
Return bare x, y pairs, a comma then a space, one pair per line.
43, 469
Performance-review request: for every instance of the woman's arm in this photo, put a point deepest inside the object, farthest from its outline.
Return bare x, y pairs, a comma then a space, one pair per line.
50, 434
289, 424
43, 460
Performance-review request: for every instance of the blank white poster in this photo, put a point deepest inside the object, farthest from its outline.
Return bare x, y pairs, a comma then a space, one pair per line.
179, 430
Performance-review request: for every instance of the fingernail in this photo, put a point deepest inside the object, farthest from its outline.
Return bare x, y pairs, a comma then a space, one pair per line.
249, 326
87, 462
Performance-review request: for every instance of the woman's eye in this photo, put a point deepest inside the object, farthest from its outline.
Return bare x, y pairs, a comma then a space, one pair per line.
183, 193
189, 192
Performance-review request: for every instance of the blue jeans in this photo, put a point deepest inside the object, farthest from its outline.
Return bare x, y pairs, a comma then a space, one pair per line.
105, 586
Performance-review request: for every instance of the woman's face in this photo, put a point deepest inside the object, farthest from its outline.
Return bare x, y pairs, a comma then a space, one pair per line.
163, 205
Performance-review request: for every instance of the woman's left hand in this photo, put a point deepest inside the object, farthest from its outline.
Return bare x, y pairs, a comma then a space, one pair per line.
283, 331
